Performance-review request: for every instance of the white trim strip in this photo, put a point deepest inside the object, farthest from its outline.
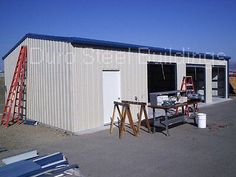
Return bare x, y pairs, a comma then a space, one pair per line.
46, 156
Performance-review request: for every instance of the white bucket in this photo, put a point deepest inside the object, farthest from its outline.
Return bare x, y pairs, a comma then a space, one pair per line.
201, 120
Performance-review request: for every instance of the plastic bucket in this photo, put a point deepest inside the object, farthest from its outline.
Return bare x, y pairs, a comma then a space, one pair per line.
201, 120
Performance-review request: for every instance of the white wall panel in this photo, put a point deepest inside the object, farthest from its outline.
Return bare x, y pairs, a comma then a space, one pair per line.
88, 101
68, 95
48, 81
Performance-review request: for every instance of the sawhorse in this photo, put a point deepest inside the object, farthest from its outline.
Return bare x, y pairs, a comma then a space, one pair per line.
141, 111
126, 112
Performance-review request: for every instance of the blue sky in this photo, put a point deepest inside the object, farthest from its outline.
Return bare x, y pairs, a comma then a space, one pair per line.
201, 25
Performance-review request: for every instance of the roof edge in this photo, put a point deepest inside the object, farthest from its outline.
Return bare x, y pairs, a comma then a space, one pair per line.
15, 46
36, 36
86, 41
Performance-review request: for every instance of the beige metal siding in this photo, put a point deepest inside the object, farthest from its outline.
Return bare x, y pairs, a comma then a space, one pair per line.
10, 64
87, 76
64, 83
48, 81
87, 80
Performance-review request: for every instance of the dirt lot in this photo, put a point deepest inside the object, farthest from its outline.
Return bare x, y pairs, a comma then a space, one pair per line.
189, 151
19, 137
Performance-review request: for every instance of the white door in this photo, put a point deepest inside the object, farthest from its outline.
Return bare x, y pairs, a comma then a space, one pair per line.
111, 93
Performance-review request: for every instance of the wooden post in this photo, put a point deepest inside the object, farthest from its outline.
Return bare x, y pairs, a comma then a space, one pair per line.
147, 121
122, 124
131, 121
139, 119
116, 106
112, 119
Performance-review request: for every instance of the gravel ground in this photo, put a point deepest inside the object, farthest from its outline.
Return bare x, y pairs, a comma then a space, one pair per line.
22, 138
189, 151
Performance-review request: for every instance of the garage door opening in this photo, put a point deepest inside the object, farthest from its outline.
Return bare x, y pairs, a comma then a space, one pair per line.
161, 77
199, 78
218, 81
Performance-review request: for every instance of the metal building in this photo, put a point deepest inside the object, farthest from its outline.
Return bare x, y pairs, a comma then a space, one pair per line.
72, 82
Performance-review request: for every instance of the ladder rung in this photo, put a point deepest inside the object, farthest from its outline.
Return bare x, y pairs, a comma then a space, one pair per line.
7, 106
21, 100
18, 106
16, 113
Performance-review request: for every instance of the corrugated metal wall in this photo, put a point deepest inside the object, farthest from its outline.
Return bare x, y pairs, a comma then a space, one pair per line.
48, 81
87, 80
64, 83
10, 64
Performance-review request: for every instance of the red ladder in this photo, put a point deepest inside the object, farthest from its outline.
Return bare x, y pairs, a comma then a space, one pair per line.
16, 91
187, 84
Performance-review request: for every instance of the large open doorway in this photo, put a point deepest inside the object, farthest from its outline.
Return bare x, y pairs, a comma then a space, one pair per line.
161, 77
218, 81
198, 74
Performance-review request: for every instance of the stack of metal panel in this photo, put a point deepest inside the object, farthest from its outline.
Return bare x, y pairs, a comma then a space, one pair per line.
30, 164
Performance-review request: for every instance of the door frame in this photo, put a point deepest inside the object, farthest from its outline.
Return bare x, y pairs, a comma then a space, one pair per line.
189, 65
225, 82
109, 70
162, 63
